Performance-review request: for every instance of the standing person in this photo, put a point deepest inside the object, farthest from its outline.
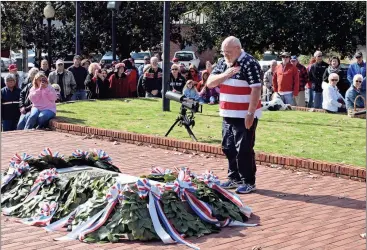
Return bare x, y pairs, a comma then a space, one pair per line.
45, 68
152, 80
85, 64
10, 96
103, 84
334, 67
332, 101
238, 75
208, 95
353, 92
176, 80
359, 67
132, 77
43, 96
141, 89
315, 75
91, 80
286, 80
303, 80
268, 82
141, 67
32, 72
309, 84
65, 79
80, 74
119, 87
2, 82
14, 70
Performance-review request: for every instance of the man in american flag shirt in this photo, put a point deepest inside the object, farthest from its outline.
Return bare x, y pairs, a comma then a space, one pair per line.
238, 75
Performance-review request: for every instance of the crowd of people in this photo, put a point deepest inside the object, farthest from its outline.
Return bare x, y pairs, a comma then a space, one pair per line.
29, 103
329, 87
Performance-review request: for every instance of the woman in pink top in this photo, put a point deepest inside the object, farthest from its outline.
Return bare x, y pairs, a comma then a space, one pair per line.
43, 97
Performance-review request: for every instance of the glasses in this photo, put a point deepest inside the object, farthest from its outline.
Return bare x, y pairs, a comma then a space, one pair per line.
60, 64
358, 57
174, 69
319, 56
358, 81
334, 80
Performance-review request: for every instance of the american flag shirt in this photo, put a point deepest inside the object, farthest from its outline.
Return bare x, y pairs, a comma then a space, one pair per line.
234, 98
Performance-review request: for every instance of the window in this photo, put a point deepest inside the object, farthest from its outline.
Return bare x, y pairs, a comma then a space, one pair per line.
140, 55
269, 57
184, 56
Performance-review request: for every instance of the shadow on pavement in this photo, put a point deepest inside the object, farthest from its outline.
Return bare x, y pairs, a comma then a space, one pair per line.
70, 120
327, 200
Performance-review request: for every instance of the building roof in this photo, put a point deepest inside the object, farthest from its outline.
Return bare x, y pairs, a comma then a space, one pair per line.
192, 16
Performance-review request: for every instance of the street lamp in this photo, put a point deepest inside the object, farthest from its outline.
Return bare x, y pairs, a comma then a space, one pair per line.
113, 5
166, 54
49, 13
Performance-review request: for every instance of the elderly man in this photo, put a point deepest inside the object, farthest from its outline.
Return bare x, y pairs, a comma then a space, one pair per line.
358, 67
152, 79
315, 75
65, 79
286, 80
268, 81
353, 92
238, 75
80, 74
44, 67
10, 95
303, 79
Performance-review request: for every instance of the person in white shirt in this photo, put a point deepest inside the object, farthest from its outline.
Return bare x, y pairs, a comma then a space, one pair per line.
333, 101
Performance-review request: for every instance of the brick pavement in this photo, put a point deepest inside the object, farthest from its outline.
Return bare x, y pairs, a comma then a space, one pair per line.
295, 210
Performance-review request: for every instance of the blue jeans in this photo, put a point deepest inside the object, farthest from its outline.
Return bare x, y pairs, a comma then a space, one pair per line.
310, 98
23, 120
39, 117
79, 95
9, 125
287, 98
317, 98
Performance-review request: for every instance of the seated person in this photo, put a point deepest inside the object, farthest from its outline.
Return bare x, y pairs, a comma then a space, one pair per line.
43, 96
25, 106
353, 92
210, 96
58, 90
333, 101
190, 91
177, 81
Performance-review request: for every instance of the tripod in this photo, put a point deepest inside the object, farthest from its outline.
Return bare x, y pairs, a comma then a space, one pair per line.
186, 121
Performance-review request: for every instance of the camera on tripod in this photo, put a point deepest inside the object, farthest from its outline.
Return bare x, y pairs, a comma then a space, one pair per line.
184, 119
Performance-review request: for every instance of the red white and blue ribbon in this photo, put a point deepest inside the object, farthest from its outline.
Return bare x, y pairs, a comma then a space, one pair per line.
80, 154
185, 190
45, 177
15, 170
47, 211
59, 224
213, 182
158, 171
47, 151
20, 158
114, 196
170, 235
102, 155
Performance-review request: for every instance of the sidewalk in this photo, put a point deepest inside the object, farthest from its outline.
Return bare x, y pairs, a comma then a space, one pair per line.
296, 210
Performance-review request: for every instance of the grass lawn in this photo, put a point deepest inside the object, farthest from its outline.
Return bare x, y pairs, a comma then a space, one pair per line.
319, 136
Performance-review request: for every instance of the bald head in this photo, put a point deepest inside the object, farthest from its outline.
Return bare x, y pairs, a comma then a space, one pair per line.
231, 49
231, 41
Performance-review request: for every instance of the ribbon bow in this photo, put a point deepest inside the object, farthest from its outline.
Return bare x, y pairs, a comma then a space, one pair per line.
160, 171
46, 212
17, 159
80, 154
15, 170
102, 155
47, 151
45, 177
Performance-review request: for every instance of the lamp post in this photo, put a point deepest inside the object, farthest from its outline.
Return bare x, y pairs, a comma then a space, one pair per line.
49, 13
113, 5
166, 54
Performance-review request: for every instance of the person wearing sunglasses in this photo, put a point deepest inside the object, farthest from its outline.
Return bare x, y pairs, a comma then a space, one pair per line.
315, 75
332, 101
359, 67
353, 92
43, 97
286, 80
176, 81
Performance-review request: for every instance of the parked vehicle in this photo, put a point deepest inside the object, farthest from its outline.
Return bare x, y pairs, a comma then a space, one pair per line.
108, 57
267, 58
139, 57
187, 58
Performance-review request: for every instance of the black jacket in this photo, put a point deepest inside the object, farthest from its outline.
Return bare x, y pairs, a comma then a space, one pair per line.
47, 72
80, 74
177, 83
152, 80
10, 104
343, 84
316, 74
2, 82
24, 100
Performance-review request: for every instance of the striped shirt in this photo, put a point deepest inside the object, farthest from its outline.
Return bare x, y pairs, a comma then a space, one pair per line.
234, 98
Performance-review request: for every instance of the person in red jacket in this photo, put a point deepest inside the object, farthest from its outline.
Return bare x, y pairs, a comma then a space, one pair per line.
286, 80
119, 86
132, 77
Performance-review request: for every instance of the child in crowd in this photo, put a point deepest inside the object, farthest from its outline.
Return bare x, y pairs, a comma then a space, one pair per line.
190, 91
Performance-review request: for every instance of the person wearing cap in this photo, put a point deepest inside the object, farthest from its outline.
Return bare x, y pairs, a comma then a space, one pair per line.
10, 95
303, 80
315, 75
65, 79
14, 70
80, 74
141, 67
268, 81
359, 67
45, 68
286, 80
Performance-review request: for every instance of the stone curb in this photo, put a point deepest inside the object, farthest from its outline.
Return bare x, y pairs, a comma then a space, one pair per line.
344, 171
